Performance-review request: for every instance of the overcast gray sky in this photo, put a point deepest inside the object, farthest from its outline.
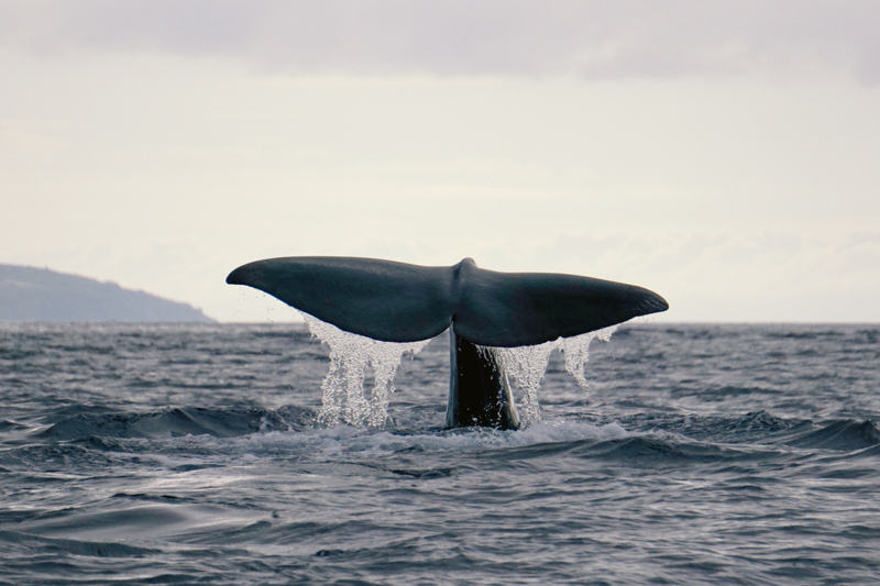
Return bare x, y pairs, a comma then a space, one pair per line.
724, 154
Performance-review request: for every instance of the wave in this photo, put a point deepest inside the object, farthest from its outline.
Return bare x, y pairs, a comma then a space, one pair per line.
659, 450
563, 439
740, 390
293, 430
805, 334
180, 421
51, 458
759, 421
844, 435
10, 425
104, 549
754, 426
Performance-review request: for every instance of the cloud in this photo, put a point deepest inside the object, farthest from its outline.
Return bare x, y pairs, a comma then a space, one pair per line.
590, 39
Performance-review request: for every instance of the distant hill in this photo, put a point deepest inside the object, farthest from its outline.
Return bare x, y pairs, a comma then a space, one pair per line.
32, 294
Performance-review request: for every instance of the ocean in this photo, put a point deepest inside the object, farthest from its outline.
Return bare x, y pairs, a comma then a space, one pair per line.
198, 454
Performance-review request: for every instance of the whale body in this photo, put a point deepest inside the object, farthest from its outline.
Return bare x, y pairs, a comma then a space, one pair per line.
398, 302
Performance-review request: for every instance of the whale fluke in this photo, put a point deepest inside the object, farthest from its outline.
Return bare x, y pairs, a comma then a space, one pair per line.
380, 299
399, 302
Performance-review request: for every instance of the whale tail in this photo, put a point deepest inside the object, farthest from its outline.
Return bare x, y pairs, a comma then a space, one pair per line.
398, 302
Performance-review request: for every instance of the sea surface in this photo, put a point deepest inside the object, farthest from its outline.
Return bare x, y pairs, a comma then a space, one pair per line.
193, 454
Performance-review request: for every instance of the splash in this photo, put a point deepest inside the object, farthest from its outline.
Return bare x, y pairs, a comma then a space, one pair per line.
526, 366
344, 399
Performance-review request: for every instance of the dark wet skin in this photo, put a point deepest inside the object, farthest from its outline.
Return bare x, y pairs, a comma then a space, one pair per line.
479, 392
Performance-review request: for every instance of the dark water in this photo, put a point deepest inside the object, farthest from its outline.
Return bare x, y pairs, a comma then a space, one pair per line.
189, 454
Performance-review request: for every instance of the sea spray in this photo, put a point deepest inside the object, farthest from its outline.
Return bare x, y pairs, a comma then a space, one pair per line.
526, 366
344, 399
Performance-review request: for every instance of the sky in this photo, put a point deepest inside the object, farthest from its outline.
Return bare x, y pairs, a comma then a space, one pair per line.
724, 154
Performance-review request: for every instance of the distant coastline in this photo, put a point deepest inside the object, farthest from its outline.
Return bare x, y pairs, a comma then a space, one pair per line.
31, 294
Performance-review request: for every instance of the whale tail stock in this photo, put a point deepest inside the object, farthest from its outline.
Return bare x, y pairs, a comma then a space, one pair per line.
398, 302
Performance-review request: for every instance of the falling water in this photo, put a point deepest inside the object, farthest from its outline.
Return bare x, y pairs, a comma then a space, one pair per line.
344, 398
577, 352
526, 365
